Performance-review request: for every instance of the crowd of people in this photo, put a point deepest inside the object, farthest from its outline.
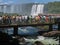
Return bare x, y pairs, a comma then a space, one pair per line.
24, 19
20, 19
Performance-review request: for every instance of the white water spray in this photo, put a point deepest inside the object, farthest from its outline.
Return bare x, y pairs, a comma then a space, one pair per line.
37, 9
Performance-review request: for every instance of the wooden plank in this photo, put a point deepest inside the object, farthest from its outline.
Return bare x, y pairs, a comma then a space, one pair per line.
23, 25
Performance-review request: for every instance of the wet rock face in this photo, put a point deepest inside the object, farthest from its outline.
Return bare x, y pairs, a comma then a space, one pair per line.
38, 43
52, 33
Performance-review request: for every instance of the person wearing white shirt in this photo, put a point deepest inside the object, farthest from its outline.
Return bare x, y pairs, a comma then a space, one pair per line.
0, 19
20, 19
25, 18
17, 19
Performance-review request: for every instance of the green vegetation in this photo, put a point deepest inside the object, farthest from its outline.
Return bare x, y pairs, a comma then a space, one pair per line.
53, 7
9, 14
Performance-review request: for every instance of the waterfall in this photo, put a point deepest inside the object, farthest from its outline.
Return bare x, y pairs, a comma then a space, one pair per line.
28, 9
40, 9
33, 11
37, 9
5, 9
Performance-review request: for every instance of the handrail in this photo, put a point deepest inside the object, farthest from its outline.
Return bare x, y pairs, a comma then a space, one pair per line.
16, 26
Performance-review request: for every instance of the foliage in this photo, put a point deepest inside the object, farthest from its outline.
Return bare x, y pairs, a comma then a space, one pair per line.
9, 14
53, 7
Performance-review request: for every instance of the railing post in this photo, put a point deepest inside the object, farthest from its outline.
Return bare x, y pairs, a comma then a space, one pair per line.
59, 30
58, 26
50, 27
15, 30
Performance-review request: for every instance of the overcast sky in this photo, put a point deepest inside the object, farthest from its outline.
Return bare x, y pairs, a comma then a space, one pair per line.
26, 1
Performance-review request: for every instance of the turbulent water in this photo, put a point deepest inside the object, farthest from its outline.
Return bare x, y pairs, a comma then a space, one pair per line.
23, 30
26, 30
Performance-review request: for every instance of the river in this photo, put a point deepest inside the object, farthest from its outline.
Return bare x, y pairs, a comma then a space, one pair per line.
26, 30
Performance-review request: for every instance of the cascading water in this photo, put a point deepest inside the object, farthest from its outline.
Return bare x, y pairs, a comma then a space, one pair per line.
33, 11
40, 9
37, 9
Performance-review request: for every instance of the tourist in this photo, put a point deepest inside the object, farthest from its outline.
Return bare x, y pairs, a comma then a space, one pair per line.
0, 19
17, 19
9, 19
52, 19
20, 19
47, 19
43, 19
37, 18
25, 19
30, 19
33, 18
13, 19
5, 20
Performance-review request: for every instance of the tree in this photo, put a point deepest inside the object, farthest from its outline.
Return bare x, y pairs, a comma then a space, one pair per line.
53, 7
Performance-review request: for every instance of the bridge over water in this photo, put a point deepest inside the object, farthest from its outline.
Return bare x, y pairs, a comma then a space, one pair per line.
15, 26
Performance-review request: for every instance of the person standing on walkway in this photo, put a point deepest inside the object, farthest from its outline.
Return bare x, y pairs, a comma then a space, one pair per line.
0, 19
13, 19
25, 19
